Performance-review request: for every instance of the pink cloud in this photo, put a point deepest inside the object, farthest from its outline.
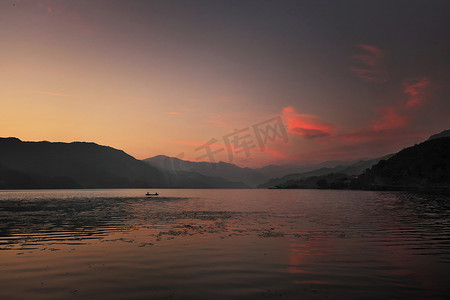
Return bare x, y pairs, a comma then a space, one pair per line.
389, 119
392, 117
370, 67
275, 153
372, 57
416, 91
307, 126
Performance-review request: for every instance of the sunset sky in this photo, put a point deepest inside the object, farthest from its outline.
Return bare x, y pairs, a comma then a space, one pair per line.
349, 79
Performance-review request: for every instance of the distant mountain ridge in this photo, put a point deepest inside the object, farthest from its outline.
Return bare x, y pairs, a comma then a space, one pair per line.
355, 168
229, 172
249, 177
422, 167
274, 171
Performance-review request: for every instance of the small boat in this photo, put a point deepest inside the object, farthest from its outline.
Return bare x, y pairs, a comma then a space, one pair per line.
148, 194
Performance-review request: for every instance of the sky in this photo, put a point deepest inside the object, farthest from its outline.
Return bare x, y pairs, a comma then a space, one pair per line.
246, 82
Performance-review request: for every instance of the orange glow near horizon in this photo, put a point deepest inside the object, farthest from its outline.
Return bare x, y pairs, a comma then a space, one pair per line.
150, 79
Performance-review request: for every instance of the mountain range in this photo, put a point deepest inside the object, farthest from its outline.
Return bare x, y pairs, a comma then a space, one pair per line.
89, 165
354, 168
229, 172
422, 167
426, 165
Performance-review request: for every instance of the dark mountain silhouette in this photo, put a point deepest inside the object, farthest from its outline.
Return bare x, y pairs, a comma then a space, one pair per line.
445, 133
274, 171
228, 172
422, 167
11, 179
88, 165
355, 168
425, 165
70, 165
327, 181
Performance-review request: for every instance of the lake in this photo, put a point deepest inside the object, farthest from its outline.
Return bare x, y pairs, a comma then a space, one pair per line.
223, 244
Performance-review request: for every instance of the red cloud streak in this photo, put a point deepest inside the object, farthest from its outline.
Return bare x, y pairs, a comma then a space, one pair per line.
389, 119
370, 67
415, 89
307, 126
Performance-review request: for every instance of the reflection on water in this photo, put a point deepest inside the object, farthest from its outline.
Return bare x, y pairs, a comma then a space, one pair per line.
261, 244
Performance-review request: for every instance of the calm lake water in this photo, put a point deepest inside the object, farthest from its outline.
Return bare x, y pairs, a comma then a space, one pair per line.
227, 244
